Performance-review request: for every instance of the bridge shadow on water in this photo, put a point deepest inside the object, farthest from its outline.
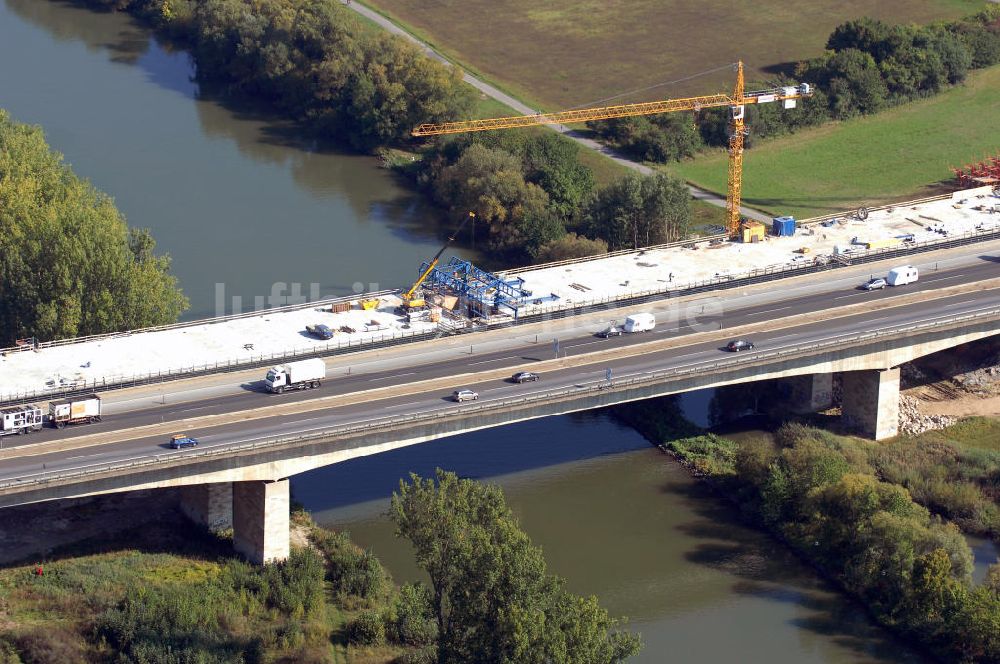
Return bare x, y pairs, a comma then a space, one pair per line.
477, 455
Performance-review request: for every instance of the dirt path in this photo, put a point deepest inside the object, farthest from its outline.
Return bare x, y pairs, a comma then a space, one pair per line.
966, 406
490, 91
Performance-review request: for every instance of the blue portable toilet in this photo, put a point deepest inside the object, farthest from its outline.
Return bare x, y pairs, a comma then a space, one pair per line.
783, 226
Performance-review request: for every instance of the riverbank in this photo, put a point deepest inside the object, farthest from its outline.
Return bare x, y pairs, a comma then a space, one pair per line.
146, 584
882, 521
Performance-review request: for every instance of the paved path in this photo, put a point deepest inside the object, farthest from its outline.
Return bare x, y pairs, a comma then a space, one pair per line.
489, 90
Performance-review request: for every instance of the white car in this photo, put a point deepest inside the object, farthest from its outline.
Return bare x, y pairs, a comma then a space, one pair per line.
464, 395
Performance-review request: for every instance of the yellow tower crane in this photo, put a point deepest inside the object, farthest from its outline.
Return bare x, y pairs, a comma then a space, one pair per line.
736, 101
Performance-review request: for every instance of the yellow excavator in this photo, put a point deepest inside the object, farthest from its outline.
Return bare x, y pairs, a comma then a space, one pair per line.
410, 299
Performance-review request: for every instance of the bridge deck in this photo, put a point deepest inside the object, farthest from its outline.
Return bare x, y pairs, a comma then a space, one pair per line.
272, 335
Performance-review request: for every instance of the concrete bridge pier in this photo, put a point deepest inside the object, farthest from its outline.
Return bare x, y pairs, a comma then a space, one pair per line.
810, 393
871, 402
260, 520
209, 505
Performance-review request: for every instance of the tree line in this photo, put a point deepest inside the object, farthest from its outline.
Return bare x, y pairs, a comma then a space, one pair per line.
69, 263
868, 66
826, 497
314, 62
537, 202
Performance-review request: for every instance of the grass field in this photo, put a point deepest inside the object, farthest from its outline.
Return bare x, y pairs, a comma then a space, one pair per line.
896, 155
562, 53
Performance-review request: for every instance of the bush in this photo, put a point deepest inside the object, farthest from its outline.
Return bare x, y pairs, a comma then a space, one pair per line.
8, 653
428, 655
43, 645
708, 454
367, 629
350, 569
568, 246
412, 622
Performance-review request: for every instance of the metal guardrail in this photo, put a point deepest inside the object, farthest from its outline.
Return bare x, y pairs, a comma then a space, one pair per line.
593, 387
757, 276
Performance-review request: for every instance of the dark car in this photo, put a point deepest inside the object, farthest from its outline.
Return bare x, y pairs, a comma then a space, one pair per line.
320, 331
182, 440
524, 377
878, 283
739, 344
610, 331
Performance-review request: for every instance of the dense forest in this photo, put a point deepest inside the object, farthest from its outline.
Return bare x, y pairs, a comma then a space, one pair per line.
69, 264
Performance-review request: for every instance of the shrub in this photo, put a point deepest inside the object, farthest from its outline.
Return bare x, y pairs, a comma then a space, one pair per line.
412, 622
707, 454
8, 653
45, 645
428, 655
351, 570
367, 629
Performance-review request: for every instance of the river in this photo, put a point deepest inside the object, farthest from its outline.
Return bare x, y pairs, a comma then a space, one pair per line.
246, 211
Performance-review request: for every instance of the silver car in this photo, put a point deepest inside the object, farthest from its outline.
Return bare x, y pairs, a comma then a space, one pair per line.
878, 283
464, 395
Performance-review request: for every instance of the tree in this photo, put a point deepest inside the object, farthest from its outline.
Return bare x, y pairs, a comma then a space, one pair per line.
491, 183
69, 264
492, 597
638, 211
570, 245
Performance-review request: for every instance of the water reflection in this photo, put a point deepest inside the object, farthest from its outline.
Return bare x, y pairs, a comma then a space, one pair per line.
618, 519
230, 194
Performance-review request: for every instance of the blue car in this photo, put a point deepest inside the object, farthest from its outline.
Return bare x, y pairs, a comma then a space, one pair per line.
320, 331
182, 440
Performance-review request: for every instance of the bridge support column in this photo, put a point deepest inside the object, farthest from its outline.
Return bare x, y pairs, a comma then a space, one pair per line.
871, 402
810, 393
260, 520
209, 505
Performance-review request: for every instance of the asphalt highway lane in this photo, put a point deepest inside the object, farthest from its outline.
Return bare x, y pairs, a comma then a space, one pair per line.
673, 319
814, 333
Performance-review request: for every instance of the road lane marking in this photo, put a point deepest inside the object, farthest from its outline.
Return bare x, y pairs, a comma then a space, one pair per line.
767, 311
615, 351
410, 373
498, 359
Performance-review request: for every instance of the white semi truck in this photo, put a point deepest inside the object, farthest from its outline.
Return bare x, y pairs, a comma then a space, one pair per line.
75, 410
300, 375
20, 419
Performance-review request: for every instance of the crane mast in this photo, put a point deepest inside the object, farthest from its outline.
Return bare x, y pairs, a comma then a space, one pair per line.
737, 102
408, 297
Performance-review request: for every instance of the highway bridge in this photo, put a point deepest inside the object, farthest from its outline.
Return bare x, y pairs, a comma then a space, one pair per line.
251, 442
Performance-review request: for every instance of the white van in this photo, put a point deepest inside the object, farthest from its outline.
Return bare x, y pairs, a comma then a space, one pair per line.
900, 276
640, 323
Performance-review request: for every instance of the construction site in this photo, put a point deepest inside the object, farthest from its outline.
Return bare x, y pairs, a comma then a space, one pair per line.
456, 296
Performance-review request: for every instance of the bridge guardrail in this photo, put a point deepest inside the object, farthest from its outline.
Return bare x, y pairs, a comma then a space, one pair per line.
845, 340
760, 275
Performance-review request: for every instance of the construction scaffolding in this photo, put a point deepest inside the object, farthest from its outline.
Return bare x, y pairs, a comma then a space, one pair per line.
484, 294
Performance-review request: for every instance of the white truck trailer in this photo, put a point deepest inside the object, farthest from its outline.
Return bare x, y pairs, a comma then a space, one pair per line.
20, 419
639, 323
75, 410
300, 375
